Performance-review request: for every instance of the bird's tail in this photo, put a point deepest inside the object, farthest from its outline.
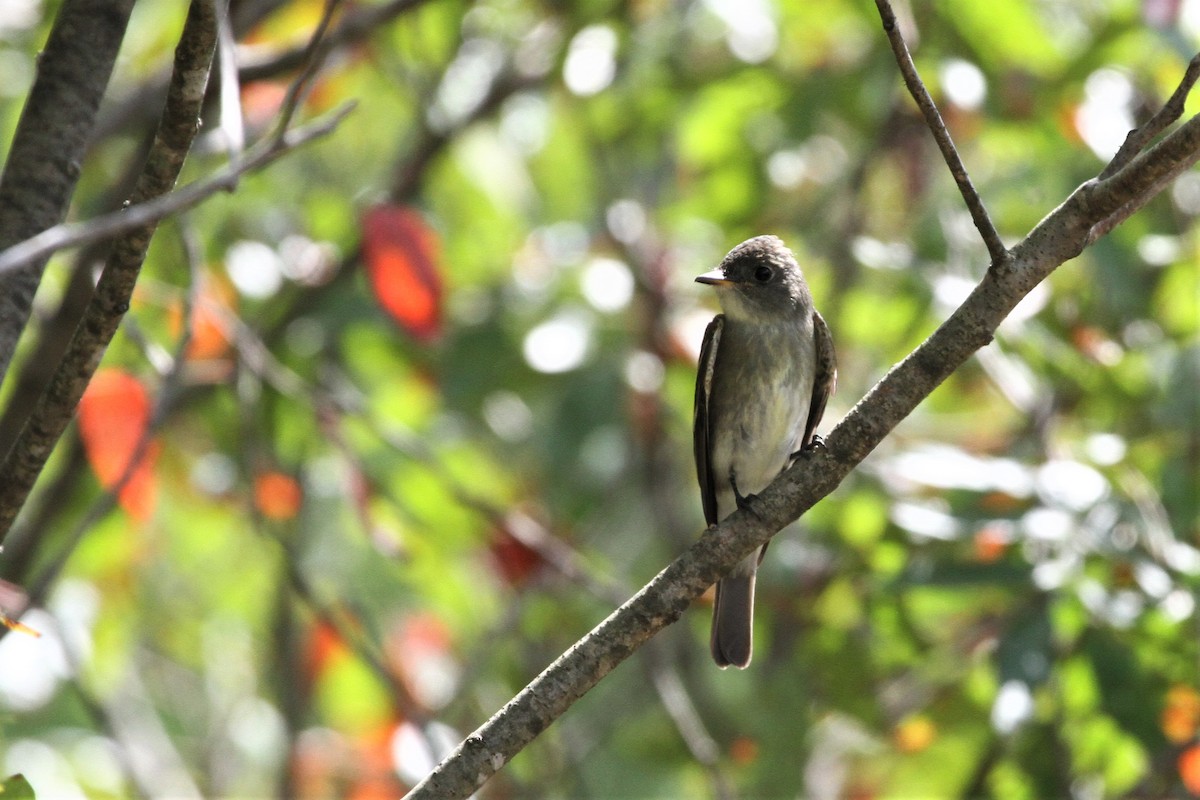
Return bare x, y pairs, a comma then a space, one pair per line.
733, 621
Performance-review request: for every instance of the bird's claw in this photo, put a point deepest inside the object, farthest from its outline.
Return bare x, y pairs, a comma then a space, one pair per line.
744, 501
813, 445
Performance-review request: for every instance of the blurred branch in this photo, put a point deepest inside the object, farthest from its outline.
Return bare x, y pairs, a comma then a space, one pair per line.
314, 56
1062, 235
114, 720
677, 702
168, 394
408, 175
344, 624
150, 212
154, 201
48, 146
177, 129
933, 118
356, 25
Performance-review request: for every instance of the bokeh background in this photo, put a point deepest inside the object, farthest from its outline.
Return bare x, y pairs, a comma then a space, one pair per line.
432, 417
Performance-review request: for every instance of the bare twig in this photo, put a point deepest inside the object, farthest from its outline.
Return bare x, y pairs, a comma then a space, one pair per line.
1139, 137
1136, 142
314, 56
933, 118
62, 237
1124, 192
355, 25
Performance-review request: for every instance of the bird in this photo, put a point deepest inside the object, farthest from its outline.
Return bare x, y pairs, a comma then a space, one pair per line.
767, 369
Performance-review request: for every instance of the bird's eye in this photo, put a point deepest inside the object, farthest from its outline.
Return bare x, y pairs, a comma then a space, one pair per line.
763, 274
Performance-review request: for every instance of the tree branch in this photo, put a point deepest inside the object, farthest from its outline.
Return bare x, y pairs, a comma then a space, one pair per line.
933, 118
118, 223
180, 121
1139, 137
47, 149
357, 24
1062, 235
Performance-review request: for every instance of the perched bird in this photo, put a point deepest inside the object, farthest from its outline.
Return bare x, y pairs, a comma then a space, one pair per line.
767, 368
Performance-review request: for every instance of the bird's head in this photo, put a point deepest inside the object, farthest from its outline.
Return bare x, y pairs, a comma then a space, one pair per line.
759, 278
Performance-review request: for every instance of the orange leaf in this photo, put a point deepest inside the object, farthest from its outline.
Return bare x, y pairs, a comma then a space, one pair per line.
990, 544
1181, 714
261, 101
914, 734
1189, 768
210, 338
215, 301
325, 648
277, 496
114, 414
400, 253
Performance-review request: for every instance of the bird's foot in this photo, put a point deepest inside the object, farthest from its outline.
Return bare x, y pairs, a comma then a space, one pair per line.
813, 445
744, 501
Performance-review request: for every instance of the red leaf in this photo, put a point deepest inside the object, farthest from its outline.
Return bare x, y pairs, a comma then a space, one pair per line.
514, 560
114, 414
400, 252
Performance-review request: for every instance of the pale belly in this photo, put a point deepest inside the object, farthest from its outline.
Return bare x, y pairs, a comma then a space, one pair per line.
754, 436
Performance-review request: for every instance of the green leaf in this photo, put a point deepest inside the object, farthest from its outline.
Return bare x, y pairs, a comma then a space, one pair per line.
15, 787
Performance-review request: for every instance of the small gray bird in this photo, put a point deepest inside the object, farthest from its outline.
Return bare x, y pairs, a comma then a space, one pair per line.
766, 369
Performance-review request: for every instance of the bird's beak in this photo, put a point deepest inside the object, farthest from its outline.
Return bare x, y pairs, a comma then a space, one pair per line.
714, 278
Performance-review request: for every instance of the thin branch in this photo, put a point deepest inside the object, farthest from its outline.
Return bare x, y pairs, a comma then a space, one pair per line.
357, 24
677, 702
1062, 235
1129, 189
343, 623
102, 715
1137, 139
314, 56
933, 118
62, 237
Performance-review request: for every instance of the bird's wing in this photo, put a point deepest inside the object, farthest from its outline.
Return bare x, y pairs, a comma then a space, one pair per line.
701, 422
825, 377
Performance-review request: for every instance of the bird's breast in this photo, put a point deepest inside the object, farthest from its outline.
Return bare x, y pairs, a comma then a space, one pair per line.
761, 391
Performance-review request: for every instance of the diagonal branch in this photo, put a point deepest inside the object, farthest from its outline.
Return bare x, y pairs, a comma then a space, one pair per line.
173, 140
119, 223
48, 146
933, 118
1172, 110
1062, 235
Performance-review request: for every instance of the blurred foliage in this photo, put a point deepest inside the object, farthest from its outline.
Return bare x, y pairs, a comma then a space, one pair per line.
363, 542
